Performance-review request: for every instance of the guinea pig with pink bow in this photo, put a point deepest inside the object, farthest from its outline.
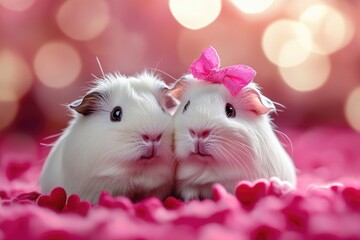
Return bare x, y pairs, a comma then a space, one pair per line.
120, 141
223, 131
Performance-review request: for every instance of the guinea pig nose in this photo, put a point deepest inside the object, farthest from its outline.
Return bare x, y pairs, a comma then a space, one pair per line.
200, 134
204, 133
152, 138
157, 139
145, 137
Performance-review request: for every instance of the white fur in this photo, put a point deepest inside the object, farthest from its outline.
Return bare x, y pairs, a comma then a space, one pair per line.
95, 154
243, 148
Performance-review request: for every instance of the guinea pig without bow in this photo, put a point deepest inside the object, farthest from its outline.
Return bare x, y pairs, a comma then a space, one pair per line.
223, 132
119, 140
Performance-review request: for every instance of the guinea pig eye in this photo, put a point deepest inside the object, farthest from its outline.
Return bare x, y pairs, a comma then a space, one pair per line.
230, 110
116, 114
186, 106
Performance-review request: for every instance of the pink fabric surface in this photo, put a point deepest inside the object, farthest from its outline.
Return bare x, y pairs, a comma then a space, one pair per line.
325, 205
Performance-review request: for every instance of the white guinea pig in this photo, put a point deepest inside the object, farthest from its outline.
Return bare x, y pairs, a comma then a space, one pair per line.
221, 138
119, 141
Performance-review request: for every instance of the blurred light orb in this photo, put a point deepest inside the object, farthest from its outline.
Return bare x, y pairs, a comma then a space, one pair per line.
195, 14
15, 76
219, 35
115, 46
309, 75
57, 64
251, 6
17, 5
291, 54
284, 41
9, 111
352, 109
53, 101
330, 30
83, 19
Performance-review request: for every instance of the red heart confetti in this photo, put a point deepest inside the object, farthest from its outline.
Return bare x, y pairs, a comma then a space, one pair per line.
352, 197
106, 200
248, 194
75, 205
173, 203
55, 201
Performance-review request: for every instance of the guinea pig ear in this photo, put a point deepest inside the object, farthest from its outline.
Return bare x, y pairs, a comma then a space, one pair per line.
88, 104
173, 94
177, 89
168, 102
258, 104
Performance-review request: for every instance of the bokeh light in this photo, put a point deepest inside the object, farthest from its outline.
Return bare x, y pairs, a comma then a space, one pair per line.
15, 78
8, 113
309, 75
230, 45
49, 51
118, 50
52, 101
57, 64
83, 19
252, 7
195, 14
352, 109
17, 5
284, 42
330, 29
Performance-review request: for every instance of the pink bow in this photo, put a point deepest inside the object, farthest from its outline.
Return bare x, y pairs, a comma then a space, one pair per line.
207, 68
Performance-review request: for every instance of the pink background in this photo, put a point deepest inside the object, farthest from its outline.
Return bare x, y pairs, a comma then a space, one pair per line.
129, 36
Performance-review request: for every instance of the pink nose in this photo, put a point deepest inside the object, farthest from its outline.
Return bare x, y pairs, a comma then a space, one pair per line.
151, 137
200, 134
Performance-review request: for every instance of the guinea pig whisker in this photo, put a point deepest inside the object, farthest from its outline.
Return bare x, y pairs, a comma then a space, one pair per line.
235, 156
163, 72
277, 109
238, 148
235, 143
245, 147
225, 153
287, 139
228, 156
234, 161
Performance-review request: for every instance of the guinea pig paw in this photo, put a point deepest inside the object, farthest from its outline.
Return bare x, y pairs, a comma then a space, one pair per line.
55, 201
